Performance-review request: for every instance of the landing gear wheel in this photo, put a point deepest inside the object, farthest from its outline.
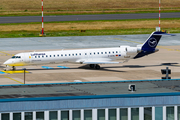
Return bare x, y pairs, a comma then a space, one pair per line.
91, 65
97, 67
13, 68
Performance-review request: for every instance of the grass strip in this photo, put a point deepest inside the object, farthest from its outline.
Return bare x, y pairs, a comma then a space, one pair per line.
54, 13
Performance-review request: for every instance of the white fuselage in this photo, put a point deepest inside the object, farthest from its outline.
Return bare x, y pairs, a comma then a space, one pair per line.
82, 56
93, 57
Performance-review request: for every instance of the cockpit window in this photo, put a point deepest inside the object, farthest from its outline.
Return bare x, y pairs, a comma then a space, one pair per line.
16, 57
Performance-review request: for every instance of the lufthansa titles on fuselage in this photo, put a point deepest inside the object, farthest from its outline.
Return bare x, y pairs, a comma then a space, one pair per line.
36, 54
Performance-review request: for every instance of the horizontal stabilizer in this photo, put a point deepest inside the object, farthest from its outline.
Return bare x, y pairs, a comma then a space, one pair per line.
163, 33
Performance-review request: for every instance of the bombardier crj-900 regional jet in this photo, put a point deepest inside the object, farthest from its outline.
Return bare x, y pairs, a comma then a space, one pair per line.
93, 57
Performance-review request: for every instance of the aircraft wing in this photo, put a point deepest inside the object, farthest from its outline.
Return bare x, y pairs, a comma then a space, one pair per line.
97, 61
100, 62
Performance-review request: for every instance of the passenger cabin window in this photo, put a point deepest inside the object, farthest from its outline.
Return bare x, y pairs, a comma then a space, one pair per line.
98, 53
109, 52
105, 52
90, 53
65, 54
72, 54
85, 53
58, 55
61, 54
35, 56
79, 53
116, 51
50, 56
94, 53
76, 54
69, 54
54, 55
101, 52
46, 55
38, 56
113, 52
43, 56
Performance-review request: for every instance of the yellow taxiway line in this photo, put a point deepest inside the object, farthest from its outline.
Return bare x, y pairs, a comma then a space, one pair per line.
13, 80
6, 54
127, 40
15, 71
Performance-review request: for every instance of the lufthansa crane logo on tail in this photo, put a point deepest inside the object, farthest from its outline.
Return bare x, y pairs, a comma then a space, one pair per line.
152, 42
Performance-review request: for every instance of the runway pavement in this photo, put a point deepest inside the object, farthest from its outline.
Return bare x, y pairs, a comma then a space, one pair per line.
148, 67
26, 19
145, 68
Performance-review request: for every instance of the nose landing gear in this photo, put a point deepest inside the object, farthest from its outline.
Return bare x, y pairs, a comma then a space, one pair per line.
8, 68
13, 68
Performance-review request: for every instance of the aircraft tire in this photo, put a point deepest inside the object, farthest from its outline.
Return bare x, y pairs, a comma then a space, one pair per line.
91, 65
13, 68
97, 67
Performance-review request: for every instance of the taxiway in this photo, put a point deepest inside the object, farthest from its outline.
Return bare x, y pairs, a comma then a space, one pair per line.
148, 67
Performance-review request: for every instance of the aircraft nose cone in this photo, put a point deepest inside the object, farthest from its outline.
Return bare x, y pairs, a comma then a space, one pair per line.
7, 62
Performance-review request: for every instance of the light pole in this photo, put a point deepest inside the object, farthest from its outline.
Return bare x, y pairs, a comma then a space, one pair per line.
24, 74
159, 28
159, 15
42, 31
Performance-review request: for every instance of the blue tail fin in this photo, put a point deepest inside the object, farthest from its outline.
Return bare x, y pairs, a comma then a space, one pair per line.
151, 43
149, 46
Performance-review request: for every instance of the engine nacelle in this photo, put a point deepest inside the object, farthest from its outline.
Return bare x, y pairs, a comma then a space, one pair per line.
132, 50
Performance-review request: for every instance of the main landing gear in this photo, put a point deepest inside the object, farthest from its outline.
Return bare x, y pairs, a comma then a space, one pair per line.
96, 66
7, 68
